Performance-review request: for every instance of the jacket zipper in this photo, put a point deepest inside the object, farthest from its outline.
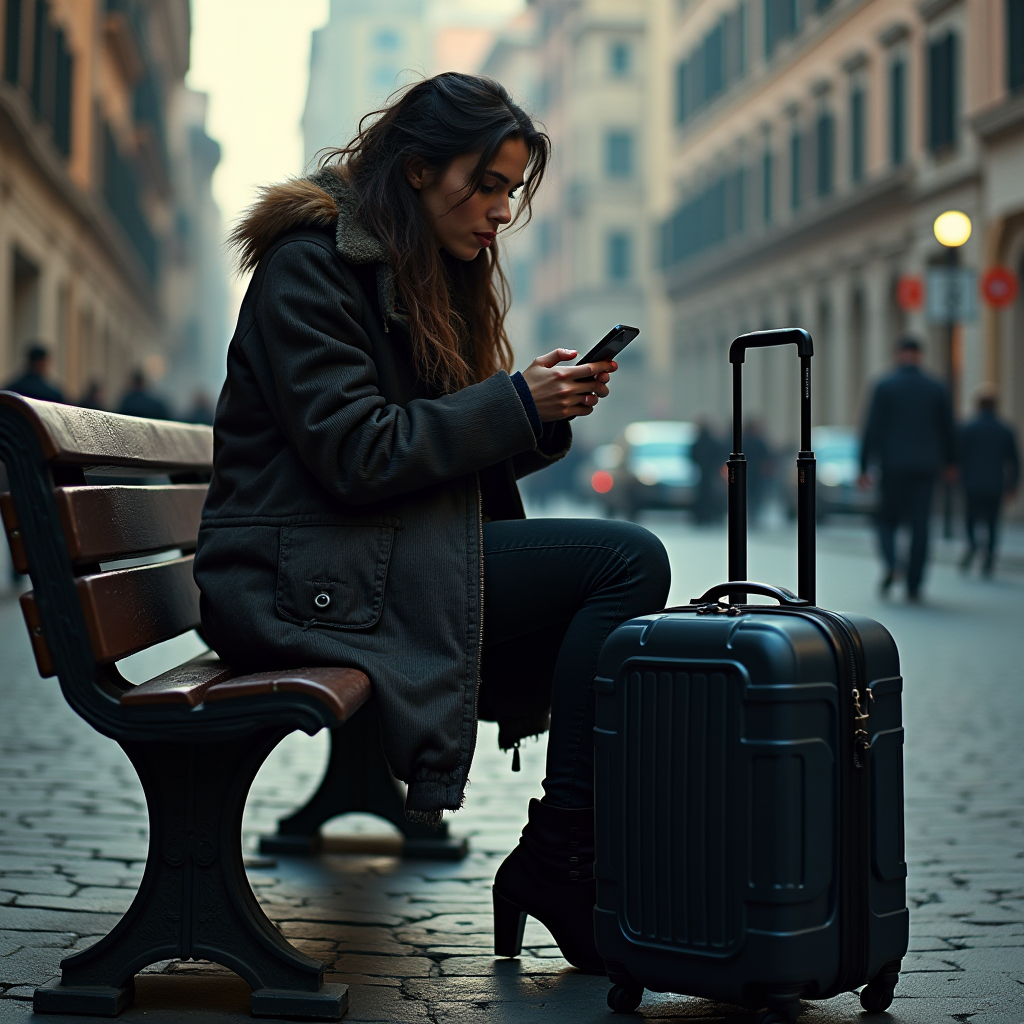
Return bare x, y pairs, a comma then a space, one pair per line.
480, 638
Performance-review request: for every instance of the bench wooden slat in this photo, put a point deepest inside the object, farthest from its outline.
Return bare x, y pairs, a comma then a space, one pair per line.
102, 524
186, 684
128, 610
89, 437
105, 523
342, 690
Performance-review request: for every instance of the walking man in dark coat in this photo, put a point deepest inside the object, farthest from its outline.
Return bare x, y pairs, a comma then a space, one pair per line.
33, 382
910, 437
138, 400
989, 471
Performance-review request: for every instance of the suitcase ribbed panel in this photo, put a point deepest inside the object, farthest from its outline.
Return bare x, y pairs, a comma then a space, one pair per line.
680, 732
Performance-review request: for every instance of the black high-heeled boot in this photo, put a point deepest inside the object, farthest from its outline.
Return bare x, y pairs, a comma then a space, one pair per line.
550, 876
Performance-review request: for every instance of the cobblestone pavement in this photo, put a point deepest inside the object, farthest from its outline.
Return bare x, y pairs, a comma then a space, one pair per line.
413, 939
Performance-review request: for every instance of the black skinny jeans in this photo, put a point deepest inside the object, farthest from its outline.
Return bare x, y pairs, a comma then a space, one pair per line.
590, 575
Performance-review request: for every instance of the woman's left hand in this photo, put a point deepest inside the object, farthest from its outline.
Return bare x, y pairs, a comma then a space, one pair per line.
560, 392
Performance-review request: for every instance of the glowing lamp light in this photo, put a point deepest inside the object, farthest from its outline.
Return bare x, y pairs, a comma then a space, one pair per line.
602, 481
952, 228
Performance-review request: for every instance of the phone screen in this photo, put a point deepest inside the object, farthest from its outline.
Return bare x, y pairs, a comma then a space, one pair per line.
611, 344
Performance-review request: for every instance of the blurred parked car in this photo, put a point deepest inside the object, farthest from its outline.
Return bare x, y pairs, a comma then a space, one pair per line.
647, 467
837, 452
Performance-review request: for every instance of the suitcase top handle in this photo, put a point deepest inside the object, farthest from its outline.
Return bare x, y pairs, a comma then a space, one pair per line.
738, 465
781, 594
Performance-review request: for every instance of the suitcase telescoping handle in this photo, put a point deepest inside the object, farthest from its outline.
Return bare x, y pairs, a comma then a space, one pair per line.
804, 462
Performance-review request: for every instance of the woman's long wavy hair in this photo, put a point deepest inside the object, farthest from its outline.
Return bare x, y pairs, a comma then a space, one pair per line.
456, 309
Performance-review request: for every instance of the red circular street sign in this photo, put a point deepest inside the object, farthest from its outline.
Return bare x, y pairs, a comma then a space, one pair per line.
999, 286
910, 292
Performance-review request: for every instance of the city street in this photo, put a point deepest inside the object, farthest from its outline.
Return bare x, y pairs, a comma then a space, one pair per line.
413, 939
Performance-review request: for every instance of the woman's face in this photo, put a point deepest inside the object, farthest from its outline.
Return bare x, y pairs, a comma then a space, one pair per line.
463, 229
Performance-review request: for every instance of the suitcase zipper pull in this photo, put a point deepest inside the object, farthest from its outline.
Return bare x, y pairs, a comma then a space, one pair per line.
861, 738
515, 757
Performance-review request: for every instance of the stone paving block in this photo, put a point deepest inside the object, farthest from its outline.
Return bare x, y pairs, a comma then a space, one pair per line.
963, 984
485, 966
31, 965
36, 919
112, 901
381, 1004
48, 884
58, 939
350, 938
1005, 959
363, 979
390, 966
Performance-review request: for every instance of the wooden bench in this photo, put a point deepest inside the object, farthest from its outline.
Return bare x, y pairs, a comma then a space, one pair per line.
197, 734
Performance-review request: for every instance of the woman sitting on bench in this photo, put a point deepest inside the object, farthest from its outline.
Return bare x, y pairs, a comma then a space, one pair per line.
364, 508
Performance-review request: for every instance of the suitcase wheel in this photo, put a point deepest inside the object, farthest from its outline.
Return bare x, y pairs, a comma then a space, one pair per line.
876, 997
625, 998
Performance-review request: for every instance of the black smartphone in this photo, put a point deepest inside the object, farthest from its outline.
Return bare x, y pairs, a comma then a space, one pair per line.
610, 345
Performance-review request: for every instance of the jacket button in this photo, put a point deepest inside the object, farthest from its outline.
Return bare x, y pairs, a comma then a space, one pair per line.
322, 600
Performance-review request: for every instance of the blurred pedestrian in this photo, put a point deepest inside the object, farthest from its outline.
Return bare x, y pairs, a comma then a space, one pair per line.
909, 436
94, 396
138, 400
989, 471
33, 382
202, 409
708, 454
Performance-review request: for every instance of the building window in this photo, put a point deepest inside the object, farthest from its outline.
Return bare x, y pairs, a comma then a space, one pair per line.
781, 22
736, 202
825, 145
12, 42
619, 157
682, 72
1015, 44
795, 177
619, 256
620, 59
942, 93
857, 110
741, 39
767, 177
898, 112
714, 62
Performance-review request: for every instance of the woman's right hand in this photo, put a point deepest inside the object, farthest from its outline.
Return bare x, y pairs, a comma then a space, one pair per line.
563, 391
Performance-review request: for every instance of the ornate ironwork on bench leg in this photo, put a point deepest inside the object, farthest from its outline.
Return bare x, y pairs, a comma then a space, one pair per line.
195, 901
358, 779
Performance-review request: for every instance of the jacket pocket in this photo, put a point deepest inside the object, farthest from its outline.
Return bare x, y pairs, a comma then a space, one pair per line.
333, 574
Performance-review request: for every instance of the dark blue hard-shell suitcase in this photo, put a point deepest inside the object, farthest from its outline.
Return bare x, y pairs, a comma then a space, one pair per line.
749, 784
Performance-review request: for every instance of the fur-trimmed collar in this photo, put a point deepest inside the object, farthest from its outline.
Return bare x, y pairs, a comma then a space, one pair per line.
323, 200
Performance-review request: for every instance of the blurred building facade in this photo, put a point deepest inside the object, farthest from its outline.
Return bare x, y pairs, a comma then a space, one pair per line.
104, 176
807, 147
367, 49
581, 67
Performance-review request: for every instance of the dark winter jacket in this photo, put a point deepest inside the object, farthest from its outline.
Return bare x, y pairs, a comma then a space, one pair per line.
909, 427
989, 461
344, 521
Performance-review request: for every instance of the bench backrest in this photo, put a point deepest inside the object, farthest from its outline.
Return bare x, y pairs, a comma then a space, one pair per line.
68, 515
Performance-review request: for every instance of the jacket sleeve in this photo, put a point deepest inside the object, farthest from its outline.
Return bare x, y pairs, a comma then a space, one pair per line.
1012, 460
360, 447
554, 444
870, 447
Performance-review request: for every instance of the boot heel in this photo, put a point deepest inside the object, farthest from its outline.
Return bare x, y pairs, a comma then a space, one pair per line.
509, 923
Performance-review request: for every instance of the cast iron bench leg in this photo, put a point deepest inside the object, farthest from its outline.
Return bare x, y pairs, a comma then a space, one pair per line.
195, 902
358, 779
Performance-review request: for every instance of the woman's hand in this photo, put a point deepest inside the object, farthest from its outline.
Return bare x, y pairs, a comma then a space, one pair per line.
563, 391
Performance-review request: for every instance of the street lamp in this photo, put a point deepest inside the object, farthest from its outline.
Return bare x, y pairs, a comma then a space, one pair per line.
951, 230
